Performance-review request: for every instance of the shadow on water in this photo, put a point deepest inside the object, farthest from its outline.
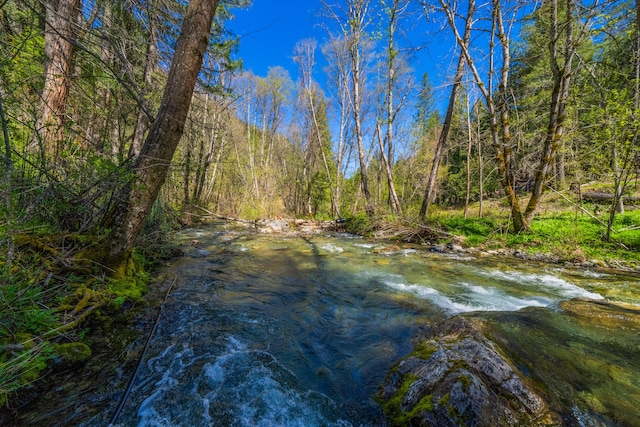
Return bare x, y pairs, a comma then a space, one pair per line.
290, 331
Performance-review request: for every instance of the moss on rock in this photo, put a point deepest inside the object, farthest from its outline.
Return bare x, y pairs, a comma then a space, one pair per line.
65, 356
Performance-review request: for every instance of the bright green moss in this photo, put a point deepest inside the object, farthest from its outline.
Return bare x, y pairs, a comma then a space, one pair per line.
423, 350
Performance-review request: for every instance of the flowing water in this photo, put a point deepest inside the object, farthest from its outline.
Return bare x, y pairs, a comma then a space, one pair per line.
301, 331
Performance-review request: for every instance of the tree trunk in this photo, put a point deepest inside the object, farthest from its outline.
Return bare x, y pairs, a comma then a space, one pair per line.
142, 123
357, 117
6, 190
559, 98
357, 16
480, 171
151, 167
394, 11
469, 144
393, 197
60, 18
446, 126
561, 180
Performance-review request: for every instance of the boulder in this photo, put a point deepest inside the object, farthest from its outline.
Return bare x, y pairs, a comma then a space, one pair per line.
269, 226
457, 377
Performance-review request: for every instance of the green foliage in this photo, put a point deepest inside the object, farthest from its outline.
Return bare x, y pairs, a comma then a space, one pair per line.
128, 287
564, 235
71, 354
476, 230
21, 370
133, 284
359, 224
423, 350
20, 306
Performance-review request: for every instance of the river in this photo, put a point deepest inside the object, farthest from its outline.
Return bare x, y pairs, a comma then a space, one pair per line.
264, 330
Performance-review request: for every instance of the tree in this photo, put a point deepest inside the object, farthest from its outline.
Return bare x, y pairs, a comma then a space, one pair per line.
498, 116
565, 36
424, 107
353, 24
562, 59
60, 19
446, 126
151, 167
336, 52
395, 10
304, 56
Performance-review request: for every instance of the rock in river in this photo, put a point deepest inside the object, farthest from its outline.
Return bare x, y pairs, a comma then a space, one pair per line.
457, 377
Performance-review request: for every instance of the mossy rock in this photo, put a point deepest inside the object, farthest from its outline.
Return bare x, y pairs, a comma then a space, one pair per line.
69, 355
457, 377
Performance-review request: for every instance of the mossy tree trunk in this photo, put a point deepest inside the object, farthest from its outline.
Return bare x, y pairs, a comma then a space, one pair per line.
561, 59
151, 166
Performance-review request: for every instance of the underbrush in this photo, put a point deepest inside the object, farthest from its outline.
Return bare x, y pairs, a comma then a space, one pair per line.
47, 299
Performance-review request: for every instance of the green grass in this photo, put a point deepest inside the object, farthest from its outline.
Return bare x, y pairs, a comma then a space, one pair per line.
43, 306
566, 235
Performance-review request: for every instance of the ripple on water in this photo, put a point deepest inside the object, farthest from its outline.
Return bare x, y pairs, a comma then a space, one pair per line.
331, 248
240, 387
477, 298
549, 282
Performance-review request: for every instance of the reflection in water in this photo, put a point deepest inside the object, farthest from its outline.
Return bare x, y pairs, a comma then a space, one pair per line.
274, 331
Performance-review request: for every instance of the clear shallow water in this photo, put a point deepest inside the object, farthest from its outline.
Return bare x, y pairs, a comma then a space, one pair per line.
276, 331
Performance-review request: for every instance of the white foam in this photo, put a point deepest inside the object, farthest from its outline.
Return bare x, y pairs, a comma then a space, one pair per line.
329, 247
365, 245
549, 282
147, 411
235, 345
258, 391
479, 289
478, 299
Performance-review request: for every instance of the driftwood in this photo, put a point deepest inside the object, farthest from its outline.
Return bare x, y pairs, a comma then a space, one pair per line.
599, 197
409, 232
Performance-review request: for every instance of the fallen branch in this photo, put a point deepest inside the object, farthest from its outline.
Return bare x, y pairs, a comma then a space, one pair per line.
577, 205
217, 216
597, 197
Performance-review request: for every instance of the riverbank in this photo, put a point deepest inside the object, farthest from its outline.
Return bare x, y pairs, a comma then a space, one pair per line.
304, 249
456, 236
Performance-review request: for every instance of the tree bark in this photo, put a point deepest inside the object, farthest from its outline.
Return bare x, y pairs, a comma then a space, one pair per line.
151, 167
559, 98
60, 18
469, 144
6, 190
357, 17
393, 197
446, 126
395, 11
142, 123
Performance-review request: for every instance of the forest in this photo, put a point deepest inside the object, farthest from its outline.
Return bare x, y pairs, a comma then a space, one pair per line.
125, 120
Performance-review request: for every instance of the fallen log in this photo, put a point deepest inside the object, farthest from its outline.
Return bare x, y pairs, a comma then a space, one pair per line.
598, 197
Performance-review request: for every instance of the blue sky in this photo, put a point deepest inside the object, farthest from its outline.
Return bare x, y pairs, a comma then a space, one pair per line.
269, 30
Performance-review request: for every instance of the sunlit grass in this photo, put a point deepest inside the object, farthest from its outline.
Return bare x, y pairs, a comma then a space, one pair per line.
568, 234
